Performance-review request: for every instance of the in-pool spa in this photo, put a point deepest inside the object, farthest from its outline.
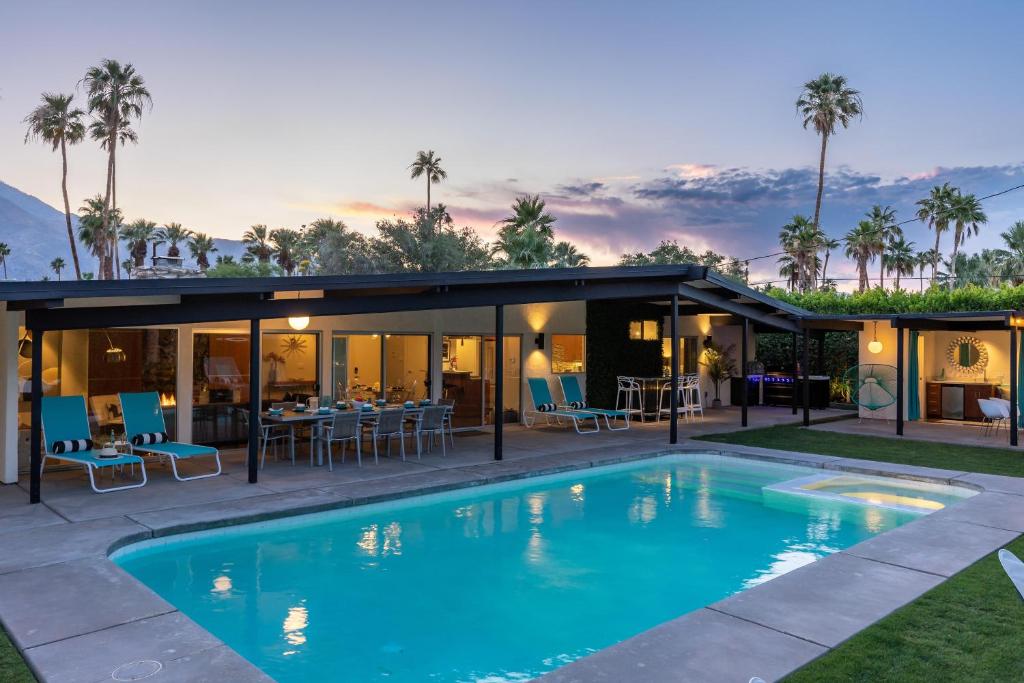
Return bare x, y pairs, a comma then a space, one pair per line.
502, 582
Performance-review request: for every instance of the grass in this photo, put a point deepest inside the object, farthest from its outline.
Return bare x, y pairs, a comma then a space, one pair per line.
12, 667
907, 452
966, 629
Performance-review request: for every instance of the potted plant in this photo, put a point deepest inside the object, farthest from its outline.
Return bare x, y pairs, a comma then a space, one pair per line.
720, 367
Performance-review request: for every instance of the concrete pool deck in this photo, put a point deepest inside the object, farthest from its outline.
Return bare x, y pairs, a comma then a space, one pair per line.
76, 616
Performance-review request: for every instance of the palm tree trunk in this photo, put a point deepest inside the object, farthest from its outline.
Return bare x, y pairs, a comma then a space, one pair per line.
952, 262
106, 272
897, 279
113, 212
824, 269
67, 208
881, 271
428, 196
821, 179
935, 257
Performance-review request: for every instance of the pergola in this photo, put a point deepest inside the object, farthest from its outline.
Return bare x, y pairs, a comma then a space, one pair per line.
683, 289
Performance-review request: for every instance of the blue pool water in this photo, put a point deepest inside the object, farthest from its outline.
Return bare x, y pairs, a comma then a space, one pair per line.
499, 583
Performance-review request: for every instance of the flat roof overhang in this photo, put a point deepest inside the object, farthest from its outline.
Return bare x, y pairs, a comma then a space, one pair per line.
80, 305
949, 321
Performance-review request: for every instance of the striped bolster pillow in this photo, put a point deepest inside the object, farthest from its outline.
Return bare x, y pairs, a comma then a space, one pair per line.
71, 446
577, 405
147, 438
546, 407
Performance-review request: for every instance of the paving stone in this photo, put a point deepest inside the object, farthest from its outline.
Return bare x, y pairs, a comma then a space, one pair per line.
391, 488
216, 665
701, 646
94, 656
46, 604
934, 544
241, 511
62, 542
999, 510
888, 469
828, 601
16, 514
995, 483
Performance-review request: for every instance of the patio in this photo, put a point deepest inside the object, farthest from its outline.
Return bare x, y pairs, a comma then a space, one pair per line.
948, 432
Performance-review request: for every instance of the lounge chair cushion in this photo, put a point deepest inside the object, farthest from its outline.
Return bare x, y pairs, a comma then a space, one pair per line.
577, 405
147, 438
70, 446
178, 450
546, 407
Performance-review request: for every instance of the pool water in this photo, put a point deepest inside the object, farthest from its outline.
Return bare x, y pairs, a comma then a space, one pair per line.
498, 583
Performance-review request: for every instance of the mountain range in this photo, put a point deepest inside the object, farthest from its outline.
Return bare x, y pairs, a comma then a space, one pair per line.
37, 233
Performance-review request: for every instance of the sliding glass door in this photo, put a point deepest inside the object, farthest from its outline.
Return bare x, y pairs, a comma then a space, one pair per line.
468, 365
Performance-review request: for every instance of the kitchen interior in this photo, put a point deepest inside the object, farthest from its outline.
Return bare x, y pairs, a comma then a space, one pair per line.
958, 369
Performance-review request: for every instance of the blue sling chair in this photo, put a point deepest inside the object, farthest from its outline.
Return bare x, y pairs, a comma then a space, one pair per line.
146, 431
574, 401
66, 422
544, 406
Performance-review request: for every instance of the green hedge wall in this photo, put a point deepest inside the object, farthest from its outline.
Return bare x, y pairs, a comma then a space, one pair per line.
932, 300
775, 351
610, 351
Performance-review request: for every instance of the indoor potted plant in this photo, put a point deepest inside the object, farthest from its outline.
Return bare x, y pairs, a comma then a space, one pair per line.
720, 367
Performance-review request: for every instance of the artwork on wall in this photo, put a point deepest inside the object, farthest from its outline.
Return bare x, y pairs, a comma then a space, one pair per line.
967, 355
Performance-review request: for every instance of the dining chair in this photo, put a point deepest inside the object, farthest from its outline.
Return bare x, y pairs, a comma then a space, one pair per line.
342, 429
449, 404
271, 434
431, 423
390, 424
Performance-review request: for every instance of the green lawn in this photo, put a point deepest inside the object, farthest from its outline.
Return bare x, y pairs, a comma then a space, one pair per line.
970, 628
924, 453
12, 666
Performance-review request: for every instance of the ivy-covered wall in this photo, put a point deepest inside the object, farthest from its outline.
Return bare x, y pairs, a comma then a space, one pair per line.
775, 351
610, 351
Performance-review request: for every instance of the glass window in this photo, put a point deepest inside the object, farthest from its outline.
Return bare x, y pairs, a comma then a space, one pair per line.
356, 371
290, 368
688, 354
568, 353
99, 364
462, 381
220, 387
407, 366
646, 330
512, 379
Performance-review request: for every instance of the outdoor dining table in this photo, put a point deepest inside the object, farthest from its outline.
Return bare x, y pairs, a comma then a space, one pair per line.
315, 419
651, 388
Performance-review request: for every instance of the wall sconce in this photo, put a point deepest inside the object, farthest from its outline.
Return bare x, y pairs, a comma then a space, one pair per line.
875, 346
539, 341
708, 341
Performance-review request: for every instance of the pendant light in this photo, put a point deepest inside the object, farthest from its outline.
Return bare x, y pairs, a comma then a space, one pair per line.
875, 346
298, 322
114, 354
25, 346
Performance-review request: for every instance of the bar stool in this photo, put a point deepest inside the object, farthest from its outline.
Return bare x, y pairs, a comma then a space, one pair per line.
691, 398
628, 387
681, 390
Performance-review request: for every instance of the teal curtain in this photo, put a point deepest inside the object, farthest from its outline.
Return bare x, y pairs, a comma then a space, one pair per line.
913, 373
1020, 378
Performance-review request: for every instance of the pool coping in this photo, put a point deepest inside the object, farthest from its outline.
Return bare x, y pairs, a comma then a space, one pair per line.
75, 615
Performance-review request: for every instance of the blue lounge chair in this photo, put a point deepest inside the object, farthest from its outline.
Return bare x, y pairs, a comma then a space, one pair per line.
544, 406
65, 419
144, 428
574, 401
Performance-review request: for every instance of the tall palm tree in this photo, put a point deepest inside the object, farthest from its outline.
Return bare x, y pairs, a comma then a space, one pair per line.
201, 246
967, 215
58, 124
117, 94
565, 255
934, 210
427, 164
174, 233
98, 131
92, 231
286, 244
57, 265
1012, 260
526, 238
530, 209
829, 245
788, 270
5, 251
860, 246
802, 241
924, 258
257, 243
886, 230
825, 102
899, 257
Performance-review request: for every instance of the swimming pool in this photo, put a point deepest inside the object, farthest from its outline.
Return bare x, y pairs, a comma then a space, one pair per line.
497, 583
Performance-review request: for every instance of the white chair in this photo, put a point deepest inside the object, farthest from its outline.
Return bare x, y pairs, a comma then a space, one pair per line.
627, 389
344, 428
389, 425
995, 414
666, 387
431, 422
691, 398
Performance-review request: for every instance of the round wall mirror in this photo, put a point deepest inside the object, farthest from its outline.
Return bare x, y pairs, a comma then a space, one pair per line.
967, 355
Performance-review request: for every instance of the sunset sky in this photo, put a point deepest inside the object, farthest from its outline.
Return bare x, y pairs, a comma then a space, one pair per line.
638, 121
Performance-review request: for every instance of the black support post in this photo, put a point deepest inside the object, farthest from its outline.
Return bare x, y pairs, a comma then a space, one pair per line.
900, 334
254, 400
673, 422
806, 360
36, 436
745, 390
499, 379
796, 375
1014, 361
821, 352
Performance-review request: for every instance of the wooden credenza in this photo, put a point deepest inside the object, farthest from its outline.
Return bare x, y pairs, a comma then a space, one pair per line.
972, 392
